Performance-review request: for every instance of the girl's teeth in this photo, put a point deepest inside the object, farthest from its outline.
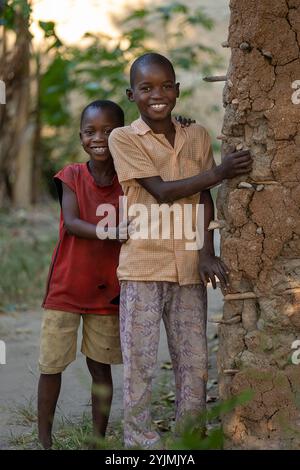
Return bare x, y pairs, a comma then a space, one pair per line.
99, 150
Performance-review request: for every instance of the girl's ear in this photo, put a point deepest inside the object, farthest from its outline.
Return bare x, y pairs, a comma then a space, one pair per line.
129, 94
177, 89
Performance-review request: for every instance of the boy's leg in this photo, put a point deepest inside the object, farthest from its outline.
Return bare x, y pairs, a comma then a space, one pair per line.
185, 321
102, 392
48, 392
57, 350
141, 306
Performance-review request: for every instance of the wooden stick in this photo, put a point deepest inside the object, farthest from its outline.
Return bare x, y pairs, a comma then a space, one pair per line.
232, 321
252, 295
265, 182
214, 224
292, 290
230, 371
215, 78
240, 296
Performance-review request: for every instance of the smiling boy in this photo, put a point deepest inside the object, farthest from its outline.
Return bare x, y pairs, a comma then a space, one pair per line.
158, 161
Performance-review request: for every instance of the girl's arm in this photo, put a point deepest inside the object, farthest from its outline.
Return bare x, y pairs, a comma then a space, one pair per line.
78, 227
74, 225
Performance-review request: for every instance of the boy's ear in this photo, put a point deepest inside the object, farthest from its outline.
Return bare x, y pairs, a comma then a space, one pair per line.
177, 89
129, 94
80, 137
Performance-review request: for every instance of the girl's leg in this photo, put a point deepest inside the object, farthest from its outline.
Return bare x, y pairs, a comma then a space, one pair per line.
102, 392
48, 392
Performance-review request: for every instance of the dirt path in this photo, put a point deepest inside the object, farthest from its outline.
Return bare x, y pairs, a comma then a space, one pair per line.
18, 378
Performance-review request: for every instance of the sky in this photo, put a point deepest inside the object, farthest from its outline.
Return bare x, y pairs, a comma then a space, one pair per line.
76, 17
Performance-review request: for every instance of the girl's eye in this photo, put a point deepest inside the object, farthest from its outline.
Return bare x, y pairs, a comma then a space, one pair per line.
107, 131
146, 88
89, 132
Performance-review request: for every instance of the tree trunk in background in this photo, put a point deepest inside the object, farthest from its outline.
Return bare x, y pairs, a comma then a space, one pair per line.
261, 238
16, 129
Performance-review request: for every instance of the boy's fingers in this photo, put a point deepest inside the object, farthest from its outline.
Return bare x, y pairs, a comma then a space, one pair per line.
244, 169
222, 272
213, 279
242, 158
203, 278
240, 153
221, 275
243, 166
224, 268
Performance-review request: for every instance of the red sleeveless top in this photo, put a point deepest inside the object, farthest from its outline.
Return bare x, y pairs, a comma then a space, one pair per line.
82, 276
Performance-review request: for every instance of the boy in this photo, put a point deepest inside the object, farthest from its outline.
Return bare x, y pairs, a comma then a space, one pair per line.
158, 161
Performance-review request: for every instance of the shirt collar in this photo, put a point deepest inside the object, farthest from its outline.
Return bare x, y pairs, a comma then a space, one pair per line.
141, 128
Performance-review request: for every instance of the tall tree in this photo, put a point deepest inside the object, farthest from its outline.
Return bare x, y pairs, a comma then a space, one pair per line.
261, 235
16, 129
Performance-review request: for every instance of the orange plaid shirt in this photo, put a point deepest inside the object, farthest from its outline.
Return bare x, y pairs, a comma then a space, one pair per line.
140, 153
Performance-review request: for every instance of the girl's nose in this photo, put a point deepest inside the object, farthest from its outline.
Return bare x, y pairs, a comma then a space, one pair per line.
99, 136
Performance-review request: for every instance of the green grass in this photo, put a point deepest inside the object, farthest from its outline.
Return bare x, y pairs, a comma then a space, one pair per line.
78, 434
27, 240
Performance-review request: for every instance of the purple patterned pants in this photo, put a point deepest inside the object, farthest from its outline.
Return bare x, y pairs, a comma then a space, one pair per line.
183, 308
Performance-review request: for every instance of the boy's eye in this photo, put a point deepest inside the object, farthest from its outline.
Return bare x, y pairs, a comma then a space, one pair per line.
168, 86
145, 88
89, 132
107, 131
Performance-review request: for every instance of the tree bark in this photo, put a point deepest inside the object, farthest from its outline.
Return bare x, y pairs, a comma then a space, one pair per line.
16, 129
261, 238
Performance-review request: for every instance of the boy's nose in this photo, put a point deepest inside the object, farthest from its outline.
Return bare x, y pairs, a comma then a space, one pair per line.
156, 93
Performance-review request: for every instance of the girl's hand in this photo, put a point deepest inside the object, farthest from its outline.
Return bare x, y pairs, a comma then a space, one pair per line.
185, 122
124, 230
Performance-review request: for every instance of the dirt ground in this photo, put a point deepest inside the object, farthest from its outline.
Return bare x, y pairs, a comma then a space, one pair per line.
19, 376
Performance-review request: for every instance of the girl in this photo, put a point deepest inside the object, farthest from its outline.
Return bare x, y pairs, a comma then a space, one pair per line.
82, 280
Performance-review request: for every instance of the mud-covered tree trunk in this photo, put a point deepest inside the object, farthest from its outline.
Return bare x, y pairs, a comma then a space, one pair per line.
261, 237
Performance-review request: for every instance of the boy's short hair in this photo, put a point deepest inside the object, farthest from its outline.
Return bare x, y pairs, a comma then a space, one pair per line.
104, 104
149, 58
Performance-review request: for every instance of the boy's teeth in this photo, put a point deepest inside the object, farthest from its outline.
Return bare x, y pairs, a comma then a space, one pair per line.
158, 106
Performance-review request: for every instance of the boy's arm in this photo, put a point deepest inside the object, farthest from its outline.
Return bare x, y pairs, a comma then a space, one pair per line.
234, 164
78, 227
209, 264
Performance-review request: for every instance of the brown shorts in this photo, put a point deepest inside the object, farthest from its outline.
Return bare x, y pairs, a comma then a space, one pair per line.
100, 339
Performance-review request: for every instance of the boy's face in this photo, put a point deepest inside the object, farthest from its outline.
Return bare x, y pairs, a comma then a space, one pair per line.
154, 91
95, 129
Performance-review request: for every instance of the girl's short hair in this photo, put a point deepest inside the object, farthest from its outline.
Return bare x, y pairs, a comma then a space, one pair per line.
104, 104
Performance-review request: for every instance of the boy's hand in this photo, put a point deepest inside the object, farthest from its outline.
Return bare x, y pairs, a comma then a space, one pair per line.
211, 266
185, 122
235, 164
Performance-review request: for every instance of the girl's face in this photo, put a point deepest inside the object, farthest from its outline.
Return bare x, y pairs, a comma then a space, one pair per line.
96, 126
